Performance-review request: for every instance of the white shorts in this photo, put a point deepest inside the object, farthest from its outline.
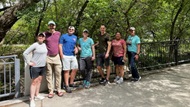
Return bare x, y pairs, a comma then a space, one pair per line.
69, 62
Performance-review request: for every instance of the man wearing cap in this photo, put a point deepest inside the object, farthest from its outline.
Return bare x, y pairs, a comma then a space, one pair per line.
87, 56
133, 50
53, 60
68, 49
103, 57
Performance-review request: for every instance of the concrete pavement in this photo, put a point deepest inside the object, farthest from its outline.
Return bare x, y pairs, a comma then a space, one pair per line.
169, 87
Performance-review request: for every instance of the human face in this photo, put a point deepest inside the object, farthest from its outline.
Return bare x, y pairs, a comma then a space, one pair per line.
71, 31
102, 29
51, 26
40, 38
85, 35
132, 32
118, 36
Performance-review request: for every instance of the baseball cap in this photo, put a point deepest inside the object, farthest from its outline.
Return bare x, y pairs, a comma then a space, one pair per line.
42, 34
51, 22
71, 27
132, 28
85, 31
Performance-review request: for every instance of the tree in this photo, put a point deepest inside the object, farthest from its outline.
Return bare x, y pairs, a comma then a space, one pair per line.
9, 16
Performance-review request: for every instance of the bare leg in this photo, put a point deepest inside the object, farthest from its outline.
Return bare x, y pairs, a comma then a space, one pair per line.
38, 85
117, 70
73, 74
66, 77
33, 88
121, 71
101, 71
108, 72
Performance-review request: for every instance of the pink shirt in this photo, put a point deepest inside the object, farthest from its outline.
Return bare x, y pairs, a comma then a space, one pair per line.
117, 46
52, 42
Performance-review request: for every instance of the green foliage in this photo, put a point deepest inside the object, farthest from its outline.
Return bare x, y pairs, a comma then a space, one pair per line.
151, 18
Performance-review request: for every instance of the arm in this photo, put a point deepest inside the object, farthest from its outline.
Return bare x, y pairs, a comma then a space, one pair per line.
76, 50
125, 48
26, 55
61, 51
108, 49
93, 52
138, 52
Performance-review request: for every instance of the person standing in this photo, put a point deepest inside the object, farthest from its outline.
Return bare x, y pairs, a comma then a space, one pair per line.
119, 56
104, 46
87, 56
133, 51
37, 66
53, 60
68, 49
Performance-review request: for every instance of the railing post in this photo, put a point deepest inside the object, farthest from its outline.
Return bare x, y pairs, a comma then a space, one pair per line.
176, 51
17, 77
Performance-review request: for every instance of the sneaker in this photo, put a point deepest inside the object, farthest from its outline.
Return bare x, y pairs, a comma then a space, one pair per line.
106, 82
136, 79
68, 89
73, 85
87, 85
84, 83
102, 81
119, 81
116, 79
32, 103
139, 78
39, 97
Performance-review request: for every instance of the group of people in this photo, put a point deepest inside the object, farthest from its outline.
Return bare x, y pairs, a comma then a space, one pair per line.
54, 53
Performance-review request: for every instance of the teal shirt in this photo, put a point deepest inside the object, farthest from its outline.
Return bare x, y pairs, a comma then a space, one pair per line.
86, 47
134, 41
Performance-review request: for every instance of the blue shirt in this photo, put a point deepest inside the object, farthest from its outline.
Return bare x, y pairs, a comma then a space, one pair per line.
135, 40
68, 44
86, 47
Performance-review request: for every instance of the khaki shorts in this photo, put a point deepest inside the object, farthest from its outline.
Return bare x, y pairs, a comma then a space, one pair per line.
69, 62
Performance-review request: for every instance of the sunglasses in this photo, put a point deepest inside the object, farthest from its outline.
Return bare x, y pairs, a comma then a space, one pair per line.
71, 29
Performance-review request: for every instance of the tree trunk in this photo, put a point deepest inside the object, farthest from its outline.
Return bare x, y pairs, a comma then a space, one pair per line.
9, 17
80, 15
172, 42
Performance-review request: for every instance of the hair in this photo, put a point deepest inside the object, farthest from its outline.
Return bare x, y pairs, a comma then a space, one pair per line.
102, 25
118, 32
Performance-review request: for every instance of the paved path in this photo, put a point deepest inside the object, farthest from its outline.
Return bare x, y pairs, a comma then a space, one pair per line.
168, 88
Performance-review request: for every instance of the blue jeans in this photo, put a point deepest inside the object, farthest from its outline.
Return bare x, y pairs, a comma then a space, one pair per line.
132, 64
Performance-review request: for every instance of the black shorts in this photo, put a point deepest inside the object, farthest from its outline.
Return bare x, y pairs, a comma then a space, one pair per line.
100, 60
37, 71
118, 60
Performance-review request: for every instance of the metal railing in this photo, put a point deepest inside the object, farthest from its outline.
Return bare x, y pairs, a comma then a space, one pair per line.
153, 55
159, 54
9, 76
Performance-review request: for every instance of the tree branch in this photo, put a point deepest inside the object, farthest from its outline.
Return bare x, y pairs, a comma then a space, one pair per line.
4, 8
9, 17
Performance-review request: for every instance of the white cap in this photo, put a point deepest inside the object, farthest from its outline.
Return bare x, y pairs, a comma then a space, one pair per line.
51, 22
71, 27
132, 28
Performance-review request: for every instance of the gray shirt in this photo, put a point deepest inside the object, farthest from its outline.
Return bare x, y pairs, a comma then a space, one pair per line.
39, 54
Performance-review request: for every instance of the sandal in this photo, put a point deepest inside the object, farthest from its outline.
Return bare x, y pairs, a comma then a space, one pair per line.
60, 94
50, 95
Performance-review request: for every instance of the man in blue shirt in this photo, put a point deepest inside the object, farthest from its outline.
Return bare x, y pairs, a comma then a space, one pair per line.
133, 50
67, 48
